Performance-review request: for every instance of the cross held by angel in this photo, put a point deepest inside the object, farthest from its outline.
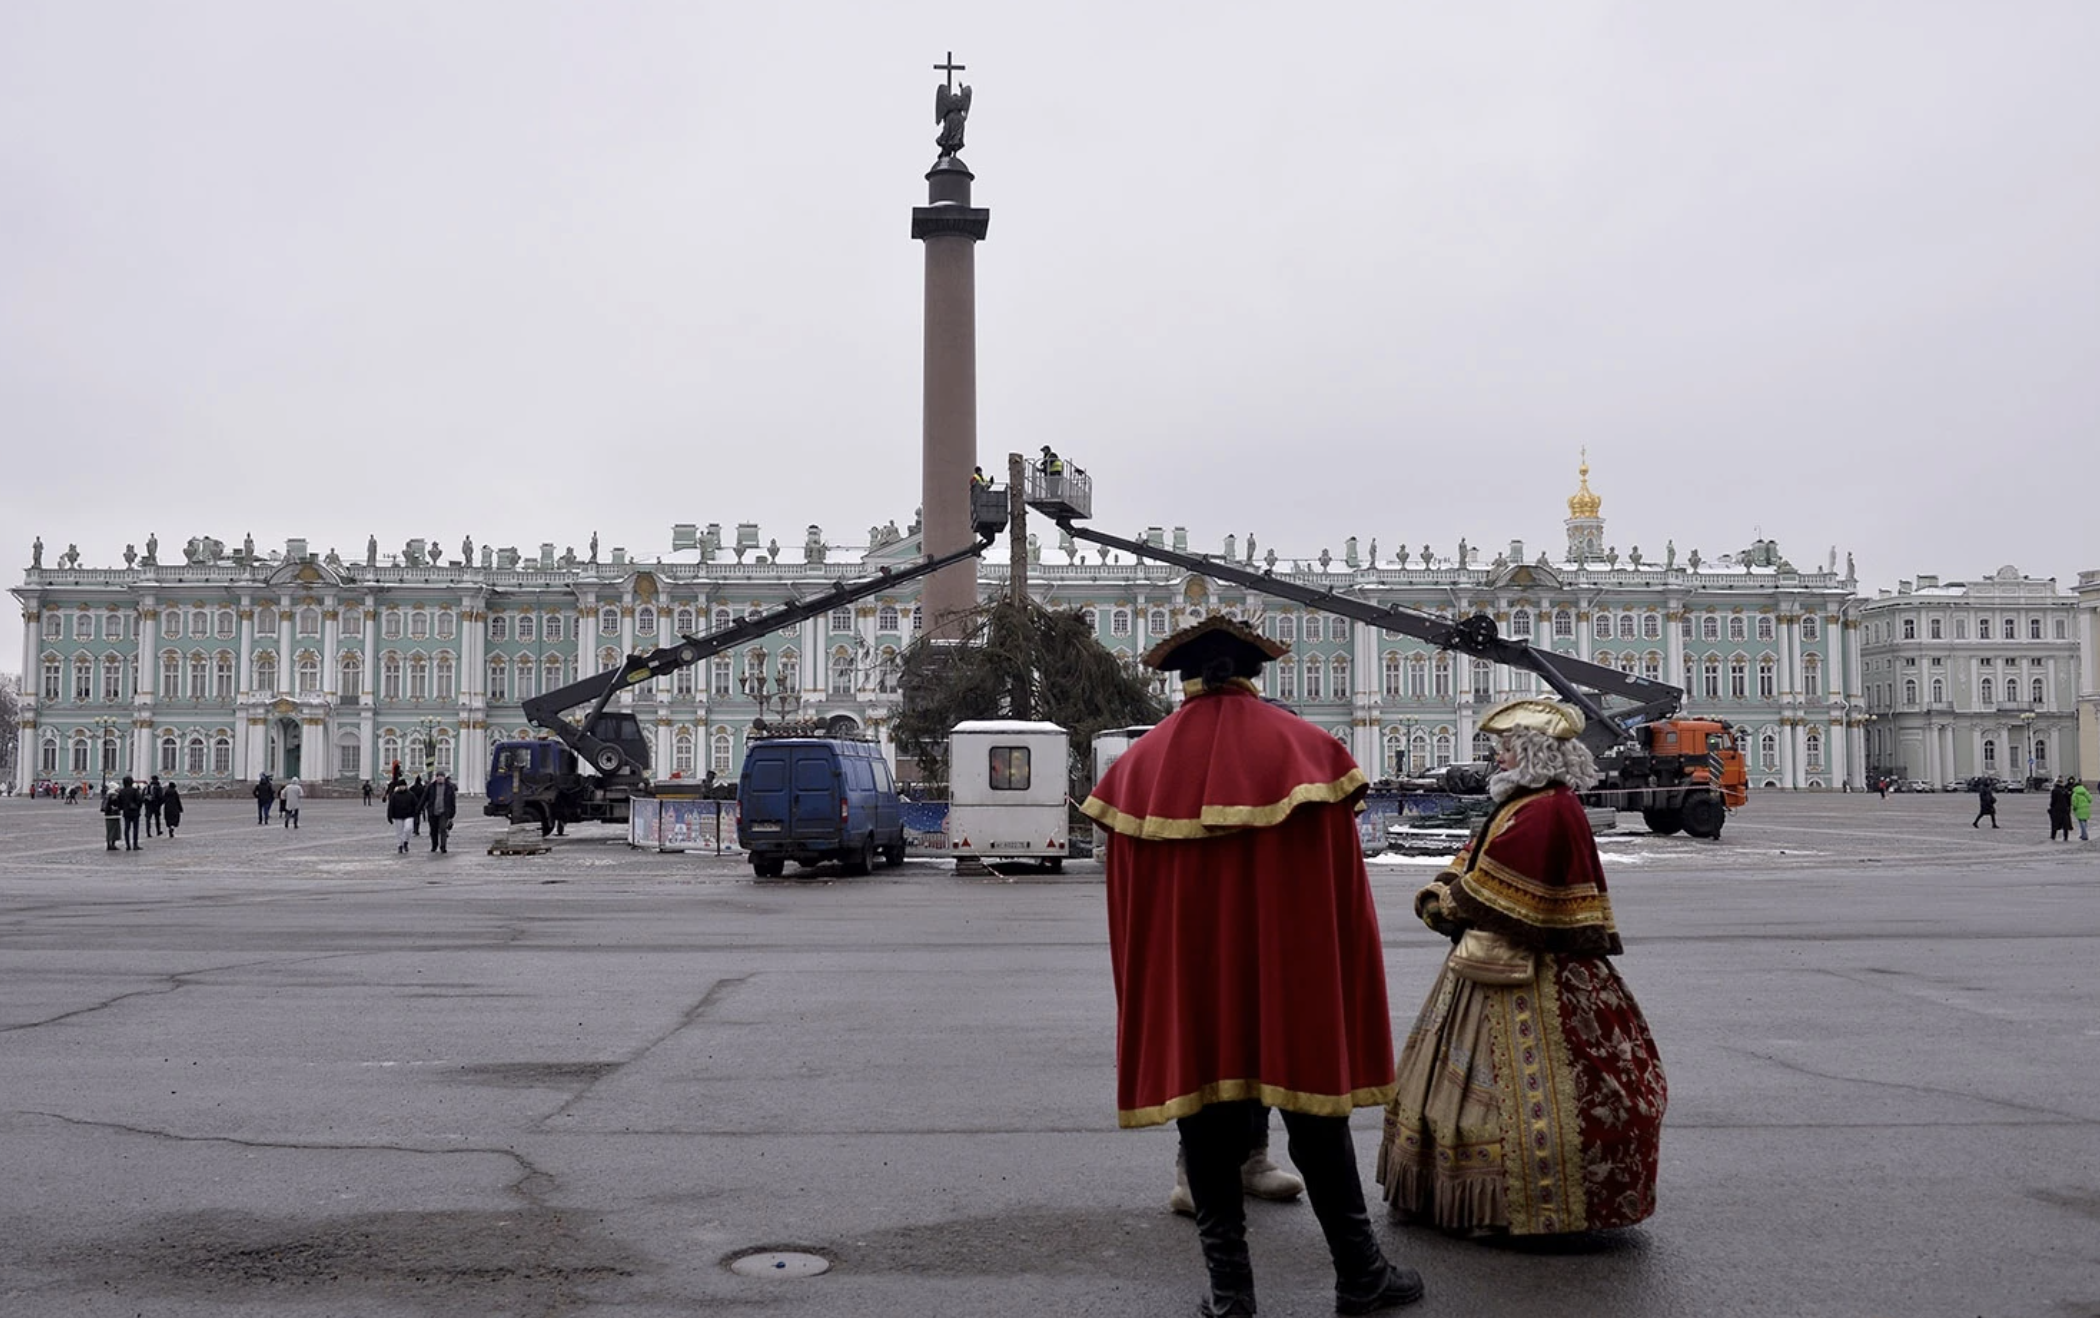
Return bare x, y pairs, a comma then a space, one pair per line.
951, 108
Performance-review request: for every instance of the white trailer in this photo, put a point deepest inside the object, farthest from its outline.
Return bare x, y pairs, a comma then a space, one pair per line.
1109, 745
1006, 790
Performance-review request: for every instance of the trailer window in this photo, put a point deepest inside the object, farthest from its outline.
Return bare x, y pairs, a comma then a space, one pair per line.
1009, 768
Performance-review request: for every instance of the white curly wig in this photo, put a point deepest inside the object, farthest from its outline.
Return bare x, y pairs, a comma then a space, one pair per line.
1540, 760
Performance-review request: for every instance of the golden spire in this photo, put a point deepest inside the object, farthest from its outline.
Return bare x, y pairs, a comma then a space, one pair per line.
1582, 503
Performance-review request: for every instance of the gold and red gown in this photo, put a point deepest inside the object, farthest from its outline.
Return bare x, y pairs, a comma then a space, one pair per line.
1529, 1096
1241, 927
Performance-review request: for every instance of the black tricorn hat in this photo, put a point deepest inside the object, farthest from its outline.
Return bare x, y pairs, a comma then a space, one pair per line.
1192, 649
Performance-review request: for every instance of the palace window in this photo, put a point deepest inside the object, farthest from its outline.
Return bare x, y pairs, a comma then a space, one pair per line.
608, 658
499, 679
554, 671
1563, 624
308, 622
1442, 670
47, 755
2034, 629
889, 670
1738, 627
54, 676
390, 675
1985, 690
309, 674
112, 679
265, 672
718, 676
1312, 627
842, 620
199, 620
2010, 631
2039, 691
682, 682
112, 626
682, 752
1389, 681
1934, 629
1768, 750
1156, 623
1418, 676
1337, 629
1483, 681
1712, 687
609, 621
1738, 678
222, 755
1338, 672
1119, 622
720, 750
1910, 691
1811, 627
1767, 678
84, 626
80, 755
1315, 678
681, 621
2059, 629
447, 678
918, 618
554, 629
1651, 626
1812, 746
55, 629
644, 624
193, 758
1443, 749
1093, 620
528, 627
418, 677
1520, 624
790, 666
1600, 627
1990, 753
419, 625
1286, 627
83, 679
346, 756
1910, 629
353, 622
1939, 690
1812, 675
887, 619
1652, 666
1286, 671
170, 753
349, 679
170, 675
499, 626
1709, 628
841, 672
1764, 627
722, 619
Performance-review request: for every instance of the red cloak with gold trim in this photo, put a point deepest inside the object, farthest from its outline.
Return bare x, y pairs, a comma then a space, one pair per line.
1241, 927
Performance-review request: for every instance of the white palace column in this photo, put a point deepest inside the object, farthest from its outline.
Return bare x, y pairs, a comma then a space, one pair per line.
142, 691
368, 693
323, 761
471, 743
29, 749
247, 757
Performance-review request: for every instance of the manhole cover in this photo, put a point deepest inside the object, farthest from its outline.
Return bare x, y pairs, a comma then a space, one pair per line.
779, 1263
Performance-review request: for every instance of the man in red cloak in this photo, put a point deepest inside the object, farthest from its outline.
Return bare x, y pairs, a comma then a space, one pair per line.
1246, 954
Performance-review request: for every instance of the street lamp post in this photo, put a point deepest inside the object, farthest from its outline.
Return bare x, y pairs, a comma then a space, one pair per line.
756, 683
2027, 723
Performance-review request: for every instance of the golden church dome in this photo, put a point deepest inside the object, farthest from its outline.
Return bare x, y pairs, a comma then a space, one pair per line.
1583, 503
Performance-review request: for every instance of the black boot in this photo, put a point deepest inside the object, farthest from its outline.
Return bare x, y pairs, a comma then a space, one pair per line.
1364, 1281
1214, 1144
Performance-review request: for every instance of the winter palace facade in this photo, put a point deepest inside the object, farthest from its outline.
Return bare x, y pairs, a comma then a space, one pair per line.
222, 666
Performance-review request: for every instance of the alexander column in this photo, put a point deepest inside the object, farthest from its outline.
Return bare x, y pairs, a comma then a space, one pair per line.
951, 229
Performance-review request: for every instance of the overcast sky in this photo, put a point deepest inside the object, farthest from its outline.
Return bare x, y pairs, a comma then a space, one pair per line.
525, 271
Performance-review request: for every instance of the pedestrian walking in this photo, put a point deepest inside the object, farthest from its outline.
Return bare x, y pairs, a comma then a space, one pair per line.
171, 810
131, 803
368, 791
2081, 808
1484, 1066
264, 795
1986, 803
416, 792
288, 802
1244, 944
400, 810
155, 796
2060, 810
440, 804
112, 821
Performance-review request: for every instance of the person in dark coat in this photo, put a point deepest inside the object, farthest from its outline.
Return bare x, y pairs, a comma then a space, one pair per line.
131, 803
440, 804
368, 791
265, 793
400, 810
2060, 811
171, 809
112, 821
1986, 803
416, 792
155, 796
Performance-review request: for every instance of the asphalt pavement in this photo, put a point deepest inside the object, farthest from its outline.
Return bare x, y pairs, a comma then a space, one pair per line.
256, 1071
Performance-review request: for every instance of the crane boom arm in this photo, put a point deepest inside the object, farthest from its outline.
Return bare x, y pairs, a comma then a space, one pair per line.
1570, 678
546, 711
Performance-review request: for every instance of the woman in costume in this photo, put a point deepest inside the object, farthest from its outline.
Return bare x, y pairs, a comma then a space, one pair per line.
1530, 1097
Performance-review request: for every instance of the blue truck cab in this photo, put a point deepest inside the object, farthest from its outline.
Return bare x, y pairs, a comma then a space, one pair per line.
813, 799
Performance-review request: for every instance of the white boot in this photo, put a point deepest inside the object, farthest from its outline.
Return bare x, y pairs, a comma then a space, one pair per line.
1265, 1180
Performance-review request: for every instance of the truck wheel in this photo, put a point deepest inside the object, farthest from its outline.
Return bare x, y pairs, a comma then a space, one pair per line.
768, 867
538, 815
893, 855
1663, 821
863, 861
1056, 864
1703, 816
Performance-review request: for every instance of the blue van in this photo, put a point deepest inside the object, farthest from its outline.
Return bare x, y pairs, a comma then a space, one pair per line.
813, 799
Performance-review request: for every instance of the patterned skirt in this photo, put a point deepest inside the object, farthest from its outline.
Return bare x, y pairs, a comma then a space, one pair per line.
1534, 1109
